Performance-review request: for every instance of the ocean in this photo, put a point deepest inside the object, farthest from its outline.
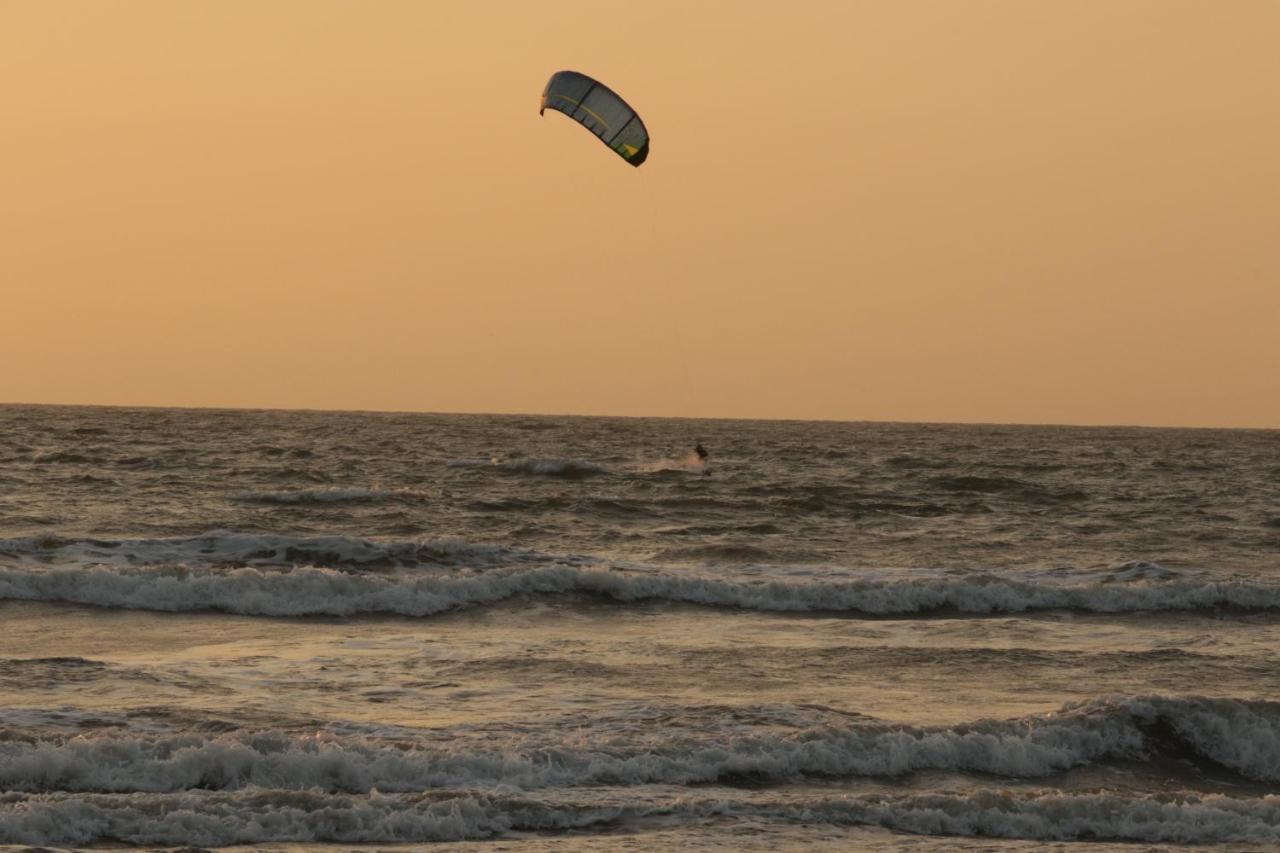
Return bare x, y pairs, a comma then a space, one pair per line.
307, 629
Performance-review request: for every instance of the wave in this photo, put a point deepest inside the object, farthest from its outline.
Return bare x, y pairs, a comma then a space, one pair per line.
1043, 816
853, 501
200, 818
689, 463
66, 457
332, 496
1021, 489
295, 452
907, 460
568, 469
721, 552
248, 550
27, 521
17, 675
268, 575
1243, 737
266, 816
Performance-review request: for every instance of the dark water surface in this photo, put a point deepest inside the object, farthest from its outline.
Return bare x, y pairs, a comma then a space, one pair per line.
310, 628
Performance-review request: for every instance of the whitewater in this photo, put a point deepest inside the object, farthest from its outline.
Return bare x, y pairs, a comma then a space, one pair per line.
306, 629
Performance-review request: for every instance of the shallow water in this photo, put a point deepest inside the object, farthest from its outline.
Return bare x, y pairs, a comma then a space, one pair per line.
308, 628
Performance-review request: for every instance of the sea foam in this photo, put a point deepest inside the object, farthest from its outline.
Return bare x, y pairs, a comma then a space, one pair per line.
310, 590
266, 816
1241, 736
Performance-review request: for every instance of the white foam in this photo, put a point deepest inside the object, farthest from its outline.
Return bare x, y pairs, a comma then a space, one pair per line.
265, 816
1186, 818
1242, 736
272, 575
309, 590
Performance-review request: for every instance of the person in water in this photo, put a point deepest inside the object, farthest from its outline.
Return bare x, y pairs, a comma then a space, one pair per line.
702, 457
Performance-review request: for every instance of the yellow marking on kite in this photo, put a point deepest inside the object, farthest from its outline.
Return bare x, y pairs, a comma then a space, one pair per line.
630, 149
586, 110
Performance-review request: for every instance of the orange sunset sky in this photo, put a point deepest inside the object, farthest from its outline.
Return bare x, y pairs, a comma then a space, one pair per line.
1022, 211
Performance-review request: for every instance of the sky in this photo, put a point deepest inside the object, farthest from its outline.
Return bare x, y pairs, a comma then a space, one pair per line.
1061, 211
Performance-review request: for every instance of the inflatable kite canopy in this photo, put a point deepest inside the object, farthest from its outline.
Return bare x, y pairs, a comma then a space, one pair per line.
600, 110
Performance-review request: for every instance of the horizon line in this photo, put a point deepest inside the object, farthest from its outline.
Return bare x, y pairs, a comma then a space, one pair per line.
1030, 424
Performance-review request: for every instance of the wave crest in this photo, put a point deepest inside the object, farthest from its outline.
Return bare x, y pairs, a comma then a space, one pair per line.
1241, 736
282, 576
267, 816
332, 496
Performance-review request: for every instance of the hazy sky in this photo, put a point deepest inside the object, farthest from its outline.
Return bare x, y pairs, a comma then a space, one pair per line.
1036, 210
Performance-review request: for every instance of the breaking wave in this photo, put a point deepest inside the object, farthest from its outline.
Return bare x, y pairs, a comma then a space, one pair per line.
269, 575
1243, 737
265, 816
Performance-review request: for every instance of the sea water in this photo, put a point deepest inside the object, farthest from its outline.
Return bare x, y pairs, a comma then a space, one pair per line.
507, 632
